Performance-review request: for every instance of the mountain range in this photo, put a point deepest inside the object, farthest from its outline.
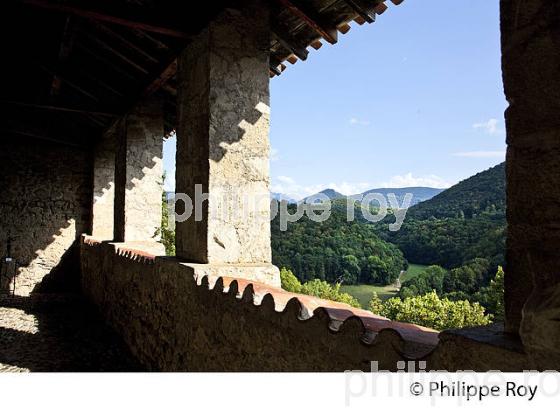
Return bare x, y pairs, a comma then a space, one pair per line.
419, 194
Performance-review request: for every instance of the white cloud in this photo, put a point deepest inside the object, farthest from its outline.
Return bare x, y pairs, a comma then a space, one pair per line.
358, 121
274, 155
409, 180
480, 154
286, 180
490, 127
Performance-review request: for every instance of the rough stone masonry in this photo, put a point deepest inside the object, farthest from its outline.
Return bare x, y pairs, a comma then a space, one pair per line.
45, 206
223, 144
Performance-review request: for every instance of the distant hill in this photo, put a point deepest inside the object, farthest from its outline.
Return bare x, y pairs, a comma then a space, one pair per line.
419, 194
329, 193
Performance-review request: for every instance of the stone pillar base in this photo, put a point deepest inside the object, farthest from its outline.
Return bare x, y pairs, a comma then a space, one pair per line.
265, 273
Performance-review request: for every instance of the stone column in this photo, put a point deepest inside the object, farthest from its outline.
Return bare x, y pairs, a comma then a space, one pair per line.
223, 145
104, 186
138, 173
531, 72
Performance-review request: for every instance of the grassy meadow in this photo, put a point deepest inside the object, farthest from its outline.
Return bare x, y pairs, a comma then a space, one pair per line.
364, 292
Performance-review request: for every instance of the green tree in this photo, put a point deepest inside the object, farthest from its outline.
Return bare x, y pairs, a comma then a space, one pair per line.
289, 281
315, 287
431, 311
374, 270
492, 296
324, 290
335, 248
376, 304
350, 269
431, 279
167, 234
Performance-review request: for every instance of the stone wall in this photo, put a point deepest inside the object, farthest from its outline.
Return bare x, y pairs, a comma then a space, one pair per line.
531, 72
174, 318
45, 205
223, 139
103, 214
139, 173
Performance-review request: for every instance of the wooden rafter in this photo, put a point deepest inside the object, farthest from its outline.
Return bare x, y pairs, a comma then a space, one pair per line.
57, 108
284, 39
275, 66
312, 19
366, 13
161, 79
105, 61
96, 80
104, 29
115, 52
63, 54
140, 34
70, 82
95, 15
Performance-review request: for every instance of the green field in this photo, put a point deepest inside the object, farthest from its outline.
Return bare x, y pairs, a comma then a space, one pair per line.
364, 292
413, 271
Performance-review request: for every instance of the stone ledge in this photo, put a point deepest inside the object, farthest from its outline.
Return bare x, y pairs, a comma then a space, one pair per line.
481, 348
141, 251
407, 341
266, 274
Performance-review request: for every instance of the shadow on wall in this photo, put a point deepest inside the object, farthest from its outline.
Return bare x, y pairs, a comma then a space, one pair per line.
45, 205
48, 189
248, 131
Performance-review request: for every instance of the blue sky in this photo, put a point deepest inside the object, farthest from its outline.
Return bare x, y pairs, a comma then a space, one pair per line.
414, 99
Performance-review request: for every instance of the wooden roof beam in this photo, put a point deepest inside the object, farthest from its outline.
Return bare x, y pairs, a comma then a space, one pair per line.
161, 79
312, 19
57, 108
366, 13
106, 61
157, 43
66, 44
71, 83
117, 53
275, 65
104, 29
99, 16
284, 39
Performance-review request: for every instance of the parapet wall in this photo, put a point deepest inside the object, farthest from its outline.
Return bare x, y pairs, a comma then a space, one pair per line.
174, 319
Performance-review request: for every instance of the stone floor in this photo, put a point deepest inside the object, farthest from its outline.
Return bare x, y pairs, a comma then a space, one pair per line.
49, 333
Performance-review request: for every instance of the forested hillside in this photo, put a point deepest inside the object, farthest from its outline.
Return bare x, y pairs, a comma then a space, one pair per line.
483, 193
335, 250
464, 222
